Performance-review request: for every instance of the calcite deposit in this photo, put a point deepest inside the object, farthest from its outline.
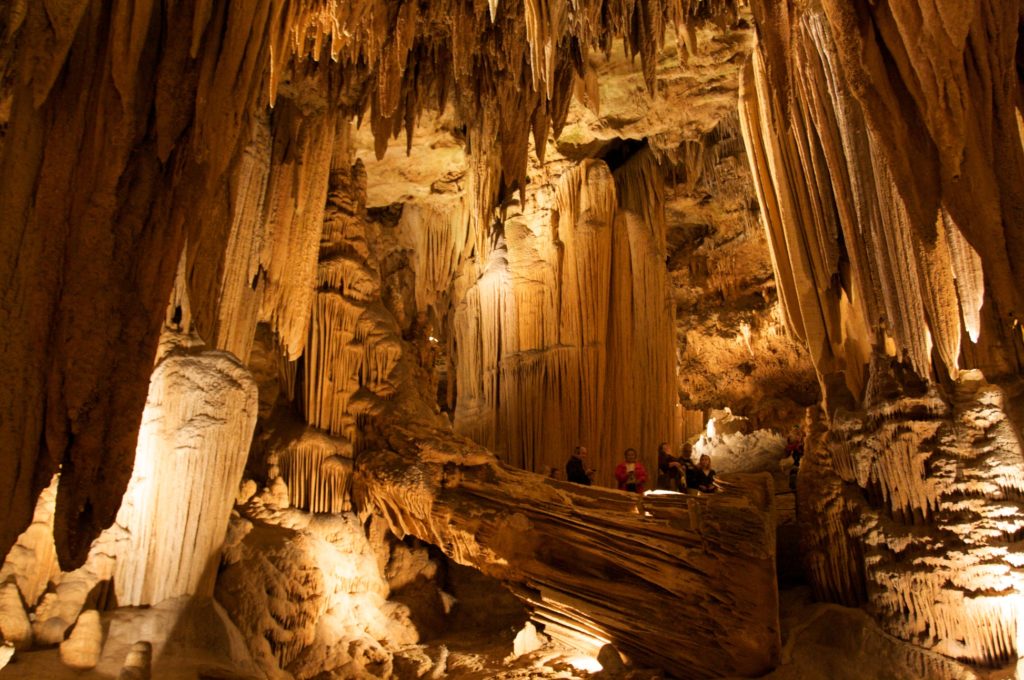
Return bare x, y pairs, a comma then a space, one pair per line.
885, 144
278, 401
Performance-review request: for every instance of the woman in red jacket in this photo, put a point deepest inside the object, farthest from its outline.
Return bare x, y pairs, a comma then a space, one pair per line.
630, 473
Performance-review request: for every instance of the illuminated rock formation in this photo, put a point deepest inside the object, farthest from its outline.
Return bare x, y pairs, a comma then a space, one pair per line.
566, 549
358, 378
166, 543
192, 447
541, 362
888, 166
185, 89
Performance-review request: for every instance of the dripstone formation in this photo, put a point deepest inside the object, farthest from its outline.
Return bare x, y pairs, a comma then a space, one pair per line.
279, 401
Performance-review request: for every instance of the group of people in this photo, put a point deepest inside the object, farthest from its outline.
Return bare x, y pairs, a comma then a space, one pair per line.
675, 473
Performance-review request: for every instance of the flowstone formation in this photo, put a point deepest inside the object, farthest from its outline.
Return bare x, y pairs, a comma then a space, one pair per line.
131, 131
885, 143
392, 455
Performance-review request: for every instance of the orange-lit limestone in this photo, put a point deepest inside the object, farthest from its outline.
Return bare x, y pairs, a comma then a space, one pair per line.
317, 469
308, 594
562, 546
353, 345
540, 368
885, 194
908, 252
181, 162
192, 449
933, 535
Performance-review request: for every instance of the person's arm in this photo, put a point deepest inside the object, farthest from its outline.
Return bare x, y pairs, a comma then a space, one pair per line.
620, 473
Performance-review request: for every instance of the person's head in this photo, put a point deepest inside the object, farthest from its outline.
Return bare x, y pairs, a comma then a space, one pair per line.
687, 449
580, 452
705, 462
630, 455
663, 447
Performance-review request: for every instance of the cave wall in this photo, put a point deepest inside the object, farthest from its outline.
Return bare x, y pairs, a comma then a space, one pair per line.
565, 338
136, 130
887, 156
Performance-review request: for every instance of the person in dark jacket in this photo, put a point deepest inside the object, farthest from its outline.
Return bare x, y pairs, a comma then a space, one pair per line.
576, 469
670, 470
703, 476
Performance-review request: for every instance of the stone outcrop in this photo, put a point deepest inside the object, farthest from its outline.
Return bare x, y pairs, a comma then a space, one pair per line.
566, 550
885, 144
372, 391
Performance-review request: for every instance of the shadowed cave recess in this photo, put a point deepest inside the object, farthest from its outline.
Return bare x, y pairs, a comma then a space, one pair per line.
305, 305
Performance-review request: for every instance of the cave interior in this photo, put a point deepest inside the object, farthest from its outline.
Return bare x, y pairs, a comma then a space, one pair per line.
395, 339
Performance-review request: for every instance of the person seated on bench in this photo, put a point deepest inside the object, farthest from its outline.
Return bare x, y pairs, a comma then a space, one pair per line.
671, 471
703, 476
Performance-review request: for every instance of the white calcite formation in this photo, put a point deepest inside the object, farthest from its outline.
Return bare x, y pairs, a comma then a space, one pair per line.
192, 448
929, 541
168, 537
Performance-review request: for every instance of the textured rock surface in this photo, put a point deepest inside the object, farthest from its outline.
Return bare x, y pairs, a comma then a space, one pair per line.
167, 540
825, 641
184, 165
569, 548
193, 442
15, 628
187, 639
373, 390
888, 166
81, 651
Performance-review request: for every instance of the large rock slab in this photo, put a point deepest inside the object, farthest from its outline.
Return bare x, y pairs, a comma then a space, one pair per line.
597, 566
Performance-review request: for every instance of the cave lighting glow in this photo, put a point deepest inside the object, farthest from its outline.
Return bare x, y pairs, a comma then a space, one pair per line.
585, 663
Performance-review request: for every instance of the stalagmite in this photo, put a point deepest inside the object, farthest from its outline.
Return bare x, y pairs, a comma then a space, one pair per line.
187, 469
32, 561
81, 651
138, 663
15, 628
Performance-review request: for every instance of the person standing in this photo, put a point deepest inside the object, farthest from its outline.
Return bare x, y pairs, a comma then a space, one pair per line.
576, 469
630, 473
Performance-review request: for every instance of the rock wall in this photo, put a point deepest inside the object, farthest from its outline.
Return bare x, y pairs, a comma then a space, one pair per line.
566, 336
403, 463
130, 130
887, 156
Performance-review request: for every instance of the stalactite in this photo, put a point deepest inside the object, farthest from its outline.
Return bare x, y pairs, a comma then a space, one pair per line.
883, 161
294, 225
127, 132
540, 367
317, 469
437, 235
